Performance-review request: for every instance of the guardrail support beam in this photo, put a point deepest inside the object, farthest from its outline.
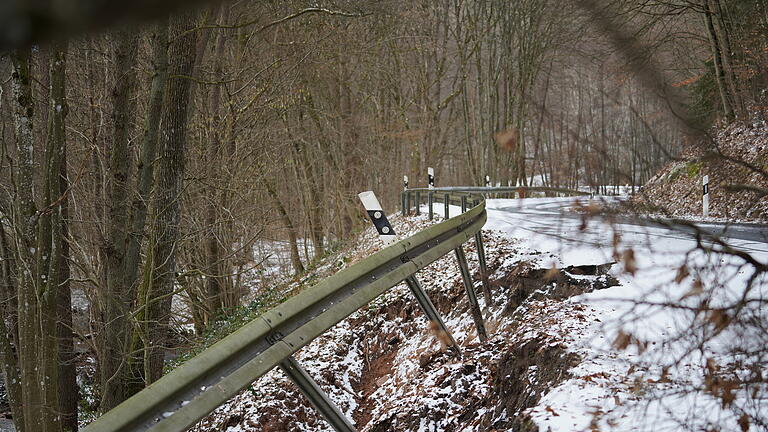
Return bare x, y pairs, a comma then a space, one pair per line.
463, 203
309, 388
418, 203
430, 203
408, 203
447, 200
431, 312
474, 306
483, 267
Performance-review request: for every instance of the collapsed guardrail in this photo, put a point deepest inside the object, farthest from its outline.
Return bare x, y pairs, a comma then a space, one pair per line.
181, 398
193, 390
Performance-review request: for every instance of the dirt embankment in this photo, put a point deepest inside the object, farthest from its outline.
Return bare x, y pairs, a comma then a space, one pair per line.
740, 151
386, 369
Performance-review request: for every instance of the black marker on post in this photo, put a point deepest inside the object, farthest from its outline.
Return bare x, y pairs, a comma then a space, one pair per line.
379, 219
705, 198
388, 236
431, 178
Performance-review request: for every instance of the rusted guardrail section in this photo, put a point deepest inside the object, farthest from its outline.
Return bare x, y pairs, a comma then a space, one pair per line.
193, 390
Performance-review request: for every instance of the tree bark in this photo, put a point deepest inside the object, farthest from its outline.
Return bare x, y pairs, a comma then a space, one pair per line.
25, 218
167, 202
213, 250
9, 362
298, 267
68, 392
722, 85
115, 303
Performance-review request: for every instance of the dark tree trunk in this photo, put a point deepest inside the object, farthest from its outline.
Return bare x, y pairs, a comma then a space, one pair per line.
167, 202
116, 304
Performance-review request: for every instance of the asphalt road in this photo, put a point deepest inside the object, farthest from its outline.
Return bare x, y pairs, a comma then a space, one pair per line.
553, 217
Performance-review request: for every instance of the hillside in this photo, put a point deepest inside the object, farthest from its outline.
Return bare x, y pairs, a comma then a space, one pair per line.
677, 188
387, 370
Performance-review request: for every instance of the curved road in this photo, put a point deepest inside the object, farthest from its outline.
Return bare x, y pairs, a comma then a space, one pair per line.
547, 224
559, 208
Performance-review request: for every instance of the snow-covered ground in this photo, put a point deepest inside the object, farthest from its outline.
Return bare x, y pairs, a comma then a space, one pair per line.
667, 352
638, 356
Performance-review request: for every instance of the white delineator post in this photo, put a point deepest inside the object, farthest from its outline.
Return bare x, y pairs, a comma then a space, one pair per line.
387, 235
405, 182
705, 195
379, 219
487, 181
430, 178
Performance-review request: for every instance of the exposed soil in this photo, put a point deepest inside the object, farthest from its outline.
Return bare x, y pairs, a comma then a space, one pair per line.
388, 370
519, 376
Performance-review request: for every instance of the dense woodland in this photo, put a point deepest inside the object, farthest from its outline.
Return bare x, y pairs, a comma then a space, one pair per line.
148, 162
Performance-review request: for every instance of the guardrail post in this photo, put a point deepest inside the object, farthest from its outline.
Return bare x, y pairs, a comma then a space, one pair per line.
430, 203
431, 312
463, 203
705, 196
474, 306
403, 203
447, 202
418, 203
483, 267
316, 396
408, 203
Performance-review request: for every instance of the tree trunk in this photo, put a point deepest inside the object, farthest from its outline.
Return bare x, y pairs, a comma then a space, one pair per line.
147, 158
717, 53
115, 303
25, 218
69, 394
159, 41
213, 250
9, 363
167, 202
298, 267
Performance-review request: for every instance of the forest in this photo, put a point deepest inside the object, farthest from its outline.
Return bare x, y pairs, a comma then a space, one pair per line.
152, 162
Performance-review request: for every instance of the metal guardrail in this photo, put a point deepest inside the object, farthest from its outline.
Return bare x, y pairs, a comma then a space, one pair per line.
460, 195
196, 388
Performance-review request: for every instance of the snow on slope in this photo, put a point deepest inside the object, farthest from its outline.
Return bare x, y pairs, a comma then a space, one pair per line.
677, 187
551, 363
654, 384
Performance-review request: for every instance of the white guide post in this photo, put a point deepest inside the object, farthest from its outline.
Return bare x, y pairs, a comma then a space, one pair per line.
379, 219
430, 178
405, 182
705, 194
487, 181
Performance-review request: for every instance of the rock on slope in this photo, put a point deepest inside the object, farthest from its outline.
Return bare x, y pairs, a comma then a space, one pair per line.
388, 372
677, 188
